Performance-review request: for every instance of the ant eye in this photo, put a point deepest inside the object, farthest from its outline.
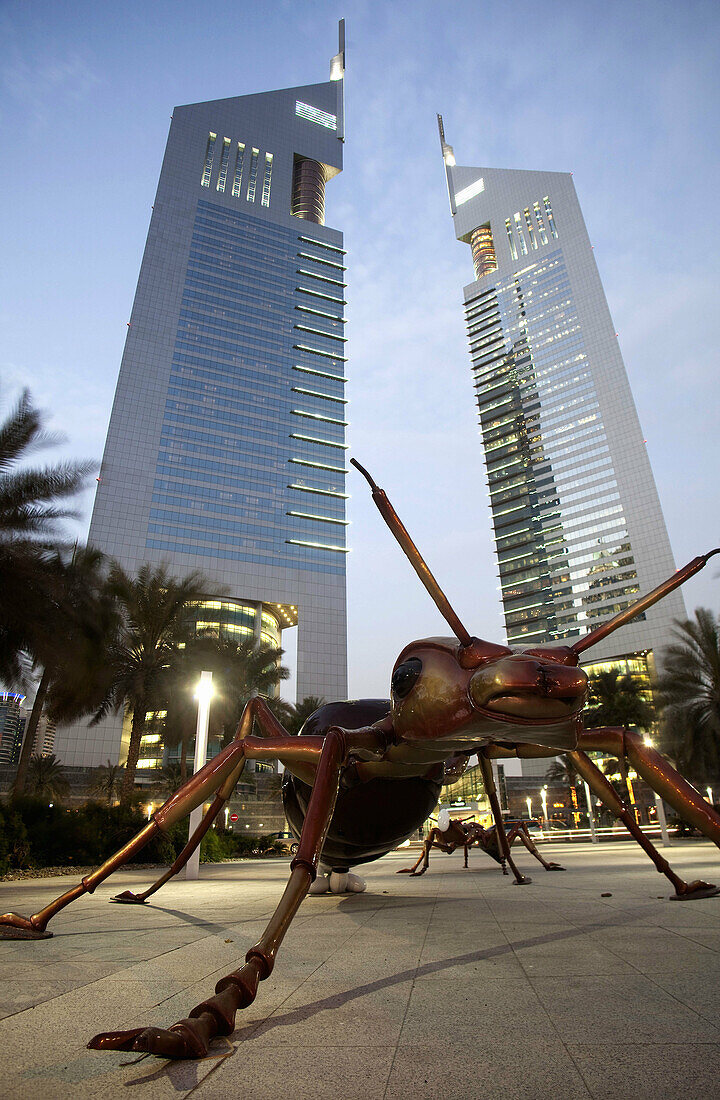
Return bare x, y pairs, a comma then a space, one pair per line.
405, 676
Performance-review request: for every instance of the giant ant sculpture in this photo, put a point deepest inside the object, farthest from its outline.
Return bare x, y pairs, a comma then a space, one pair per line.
364, 776
452, 833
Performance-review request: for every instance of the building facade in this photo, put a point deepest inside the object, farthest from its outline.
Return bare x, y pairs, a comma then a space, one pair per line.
578, 527
226, 446
12, 726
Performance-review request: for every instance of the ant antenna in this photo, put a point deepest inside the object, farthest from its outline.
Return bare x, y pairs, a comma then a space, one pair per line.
642, 604
411, 551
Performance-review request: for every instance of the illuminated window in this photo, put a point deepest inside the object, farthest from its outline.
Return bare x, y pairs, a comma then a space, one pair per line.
521, 235
531, 231
238, 169
470, 192
266, 181
551, 220
253, 175
318, 546
209, 154
222, 176
511, 239
540, 222
314, 114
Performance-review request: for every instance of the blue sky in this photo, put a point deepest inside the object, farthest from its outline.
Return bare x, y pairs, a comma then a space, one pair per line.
625, 96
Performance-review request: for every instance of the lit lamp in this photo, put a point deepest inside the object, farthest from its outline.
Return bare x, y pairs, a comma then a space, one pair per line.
543, 795
203, 695
528, 803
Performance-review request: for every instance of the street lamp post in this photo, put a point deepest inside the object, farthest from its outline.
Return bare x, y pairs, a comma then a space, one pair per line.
543, 795
661, 818
528, 803
591, 815
204, 694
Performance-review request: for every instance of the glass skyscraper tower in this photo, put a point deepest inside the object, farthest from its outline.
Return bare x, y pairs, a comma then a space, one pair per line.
226, 446
578, 527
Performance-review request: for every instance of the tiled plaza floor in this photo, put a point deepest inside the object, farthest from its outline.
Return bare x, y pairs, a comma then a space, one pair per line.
454, 986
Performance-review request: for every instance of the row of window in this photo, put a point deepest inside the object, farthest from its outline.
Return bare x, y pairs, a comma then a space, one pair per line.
237, 169
532, 224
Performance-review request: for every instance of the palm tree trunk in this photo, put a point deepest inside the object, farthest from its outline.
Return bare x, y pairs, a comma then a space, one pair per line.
29, 739
136, 732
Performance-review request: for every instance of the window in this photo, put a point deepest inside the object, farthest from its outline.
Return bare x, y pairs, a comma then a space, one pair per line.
266, 181
521, 235
314, 114
551, 220
253, 175
222, 176
540, 223
531, 231
470, 192
511, 239
239, 156
209, 154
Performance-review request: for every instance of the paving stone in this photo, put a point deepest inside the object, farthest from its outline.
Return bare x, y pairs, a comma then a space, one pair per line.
455, 984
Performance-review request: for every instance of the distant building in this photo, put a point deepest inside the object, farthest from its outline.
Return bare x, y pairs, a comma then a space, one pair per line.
579, 532
226, 446
44, 740
12, 726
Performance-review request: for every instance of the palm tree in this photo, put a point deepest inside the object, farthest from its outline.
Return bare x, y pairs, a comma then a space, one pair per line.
562, 771
153, 627
30, 512
68, 640
170, 780
107, 781
689, 688
300, 712
615, 700
46, 778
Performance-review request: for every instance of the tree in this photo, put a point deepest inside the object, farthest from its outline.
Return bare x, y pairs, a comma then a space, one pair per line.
615, 700
153, 626
30, 514
689, 688
562, 771
68, 640
46, 778
169, 781
300, 712
107, 781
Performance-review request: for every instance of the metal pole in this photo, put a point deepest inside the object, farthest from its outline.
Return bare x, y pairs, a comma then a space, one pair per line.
663, 822
204, 694
591, 815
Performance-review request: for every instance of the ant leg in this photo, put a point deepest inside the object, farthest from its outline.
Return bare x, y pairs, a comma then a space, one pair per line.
603, 789
486, 767
254, 710
432, 840
658, 774
189, 1038
465, 847
191, 794
423, 858
522, 834
129, 898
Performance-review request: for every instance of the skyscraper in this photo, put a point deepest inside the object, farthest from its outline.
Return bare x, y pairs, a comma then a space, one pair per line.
226, 446
578, 527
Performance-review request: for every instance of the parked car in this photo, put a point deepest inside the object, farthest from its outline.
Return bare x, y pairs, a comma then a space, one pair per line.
285, 844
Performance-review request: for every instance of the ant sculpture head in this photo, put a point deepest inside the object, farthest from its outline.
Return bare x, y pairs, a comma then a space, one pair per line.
461, 689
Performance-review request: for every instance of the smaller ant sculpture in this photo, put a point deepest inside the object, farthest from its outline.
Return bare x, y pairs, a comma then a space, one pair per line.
452, 832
